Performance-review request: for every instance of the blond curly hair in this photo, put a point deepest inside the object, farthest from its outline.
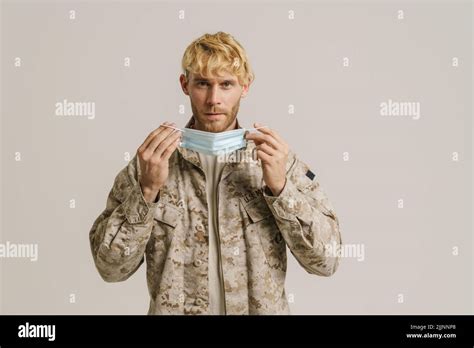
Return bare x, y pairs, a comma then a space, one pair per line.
212, 54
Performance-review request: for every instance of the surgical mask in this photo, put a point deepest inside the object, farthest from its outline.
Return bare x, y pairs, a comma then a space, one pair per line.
214, 143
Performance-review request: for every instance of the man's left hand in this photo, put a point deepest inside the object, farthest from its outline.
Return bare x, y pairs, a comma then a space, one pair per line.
272, 151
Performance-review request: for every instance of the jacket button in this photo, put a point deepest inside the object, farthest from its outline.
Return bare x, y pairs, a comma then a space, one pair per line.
197, 263
198, 192
291, 203
199, 301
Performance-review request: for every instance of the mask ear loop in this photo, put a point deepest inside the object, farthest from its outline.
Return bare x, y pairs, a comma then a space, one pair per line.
254, 129
178, 129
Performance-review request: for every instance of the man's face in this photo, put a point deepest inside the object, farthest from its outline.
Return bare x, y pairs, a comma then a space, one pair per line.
215, 100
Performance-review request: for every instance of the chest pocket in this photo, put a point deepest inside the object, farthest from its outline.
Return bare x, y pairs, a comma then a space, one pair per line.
167, 214
267, 237
257, 209
258, 212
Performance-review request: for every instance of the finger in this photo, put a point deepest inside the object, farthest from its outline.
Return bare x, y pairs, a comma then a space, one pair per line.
269, 131
159, 138
263, 156
169, 150
166, 142
249, 136
152, 135
163, 145
267, 149
264, 138
256, 141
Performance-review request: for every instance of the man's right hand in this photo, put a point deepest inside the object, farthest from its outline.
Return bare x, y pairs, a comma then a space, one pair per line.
153, 157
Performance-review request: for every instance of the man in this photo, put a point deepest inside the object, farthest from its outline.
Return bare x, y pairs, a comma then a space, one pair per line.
214, 232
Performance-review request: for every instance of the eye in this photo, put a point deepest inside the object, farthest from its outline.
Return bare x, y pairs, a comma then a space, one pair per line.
227, 84
202, 83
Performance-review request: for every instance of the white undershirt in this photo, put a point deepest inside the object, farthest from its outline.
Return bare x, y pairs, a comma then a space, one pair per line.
213, 170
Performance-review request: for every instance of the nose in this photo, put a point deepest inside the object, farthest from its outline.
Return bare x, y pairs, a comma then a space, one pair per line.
213, 97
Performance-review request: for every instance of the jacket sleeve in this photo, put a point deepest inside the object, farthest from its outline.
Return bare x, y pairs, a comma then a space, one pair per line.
306, 220
119, 235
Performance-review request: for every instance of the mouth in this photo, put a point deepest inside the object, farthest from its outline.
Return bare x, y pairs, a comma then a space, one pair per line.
213, 115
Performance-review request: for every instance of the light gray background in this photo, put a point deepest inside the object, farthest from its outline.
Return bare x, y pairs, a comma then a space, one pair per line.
407, 251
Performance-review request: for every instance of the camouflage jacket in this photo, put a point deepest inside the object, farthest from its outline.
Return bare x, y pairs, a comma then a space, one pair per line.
255, 229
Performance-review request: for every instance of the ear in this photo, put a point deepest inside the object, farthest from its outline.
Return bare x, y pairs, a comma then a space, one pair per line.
245, 90
184, 84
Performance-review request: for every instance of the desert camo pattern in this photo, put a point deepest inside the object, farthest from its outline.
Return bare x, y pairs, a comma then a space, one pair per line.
255, 230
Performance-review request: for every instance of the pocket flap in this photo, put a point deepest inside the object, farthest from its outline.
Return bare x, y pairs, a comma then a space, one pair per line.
167, 213
257, 209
